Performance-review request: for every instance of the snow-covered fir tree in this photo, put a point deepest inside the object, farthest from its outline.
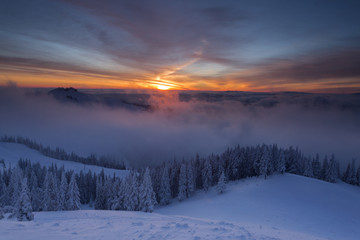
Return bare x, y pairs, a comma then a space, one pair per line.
118, 195
190, 184
14, 187
164, 191
182, 183
308, 172
264, 162
23, 205
50, 193
100, 201
63, 193
207, 175
316, 165
73, 195
131, 201
147, 199
35, 192
221, 186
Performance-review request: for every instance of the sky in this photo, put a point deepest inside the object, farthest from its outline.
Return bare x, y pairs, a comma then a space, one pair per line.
279, 45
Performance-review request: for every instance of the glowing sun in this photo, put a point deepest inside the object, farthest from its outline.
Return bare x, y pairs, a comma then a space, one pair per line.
162, 87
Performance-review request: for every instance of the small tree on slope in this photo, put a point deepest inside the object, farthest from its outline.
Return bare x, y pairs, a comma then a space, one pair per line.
24, 209
221, 187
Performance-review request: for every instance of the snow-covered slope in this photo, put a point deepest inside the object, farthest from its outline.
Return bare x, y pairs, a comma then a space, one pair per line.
12, 152
109, 225
282, 207
288, 202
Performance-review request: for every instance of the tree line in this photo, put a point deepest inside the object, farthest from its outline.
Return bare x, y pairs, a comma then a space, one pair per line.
61, 154
142, 189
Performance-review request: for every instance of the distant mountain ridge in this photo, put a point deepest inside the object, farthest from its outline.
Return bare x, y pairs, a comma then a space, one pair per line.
134, 102
70, 95
141, 101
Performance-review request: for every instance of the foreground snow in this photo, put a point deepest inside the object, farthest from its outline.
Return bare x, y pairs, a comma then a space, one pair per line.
91, 224
12, 152
287, 202
282, 207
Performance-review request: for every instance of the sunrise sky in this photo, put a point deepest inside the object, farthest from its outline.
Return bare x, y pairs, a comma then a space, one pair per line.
311, 46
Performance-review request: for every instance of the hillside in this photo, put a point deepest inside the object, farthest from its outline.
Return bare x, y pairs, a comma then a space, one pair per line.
12, 152
288, 202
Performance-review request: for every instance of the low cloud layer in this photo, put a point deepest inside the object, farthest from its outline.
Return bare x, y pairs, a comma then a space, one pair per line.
178, 128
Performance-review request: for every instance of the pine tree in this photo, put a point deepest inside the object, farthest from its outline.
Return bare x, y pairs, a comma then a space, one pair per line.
332, 174
50, 193
14, 187
35, 194
182, 183
316, 165
264, 161
109, 193
325, 168
24, 209
207, 175
131, 201
346, 174
358, 176
165, 192
73, 195
100, 200
3, 193
119, 195
221, 187
281, 163
147, 198
63, 193
308, 172
352, 176
189, 180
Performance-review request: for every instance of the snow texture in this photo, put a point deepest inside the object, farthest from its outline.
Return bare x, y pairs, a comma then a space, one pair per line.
282, 202
281, 207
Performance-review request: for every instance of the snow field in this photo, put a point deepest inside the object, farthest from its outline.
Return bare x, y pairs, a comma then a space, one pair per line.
96, 225
287, 202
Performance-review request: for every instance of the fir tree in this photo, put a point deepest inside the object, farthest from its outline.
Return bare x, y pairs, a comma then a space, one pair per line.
119, 194
14, 188
35, 194
73, 195
147, 198
3, 193
207, 175
264, 161
50, 193
165, 192
221, 187
352, 175
325, 168
308, 172
190, 184
24, 209
100, 200
131, 201
316, 165
63, 193
182, 183
281, 163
